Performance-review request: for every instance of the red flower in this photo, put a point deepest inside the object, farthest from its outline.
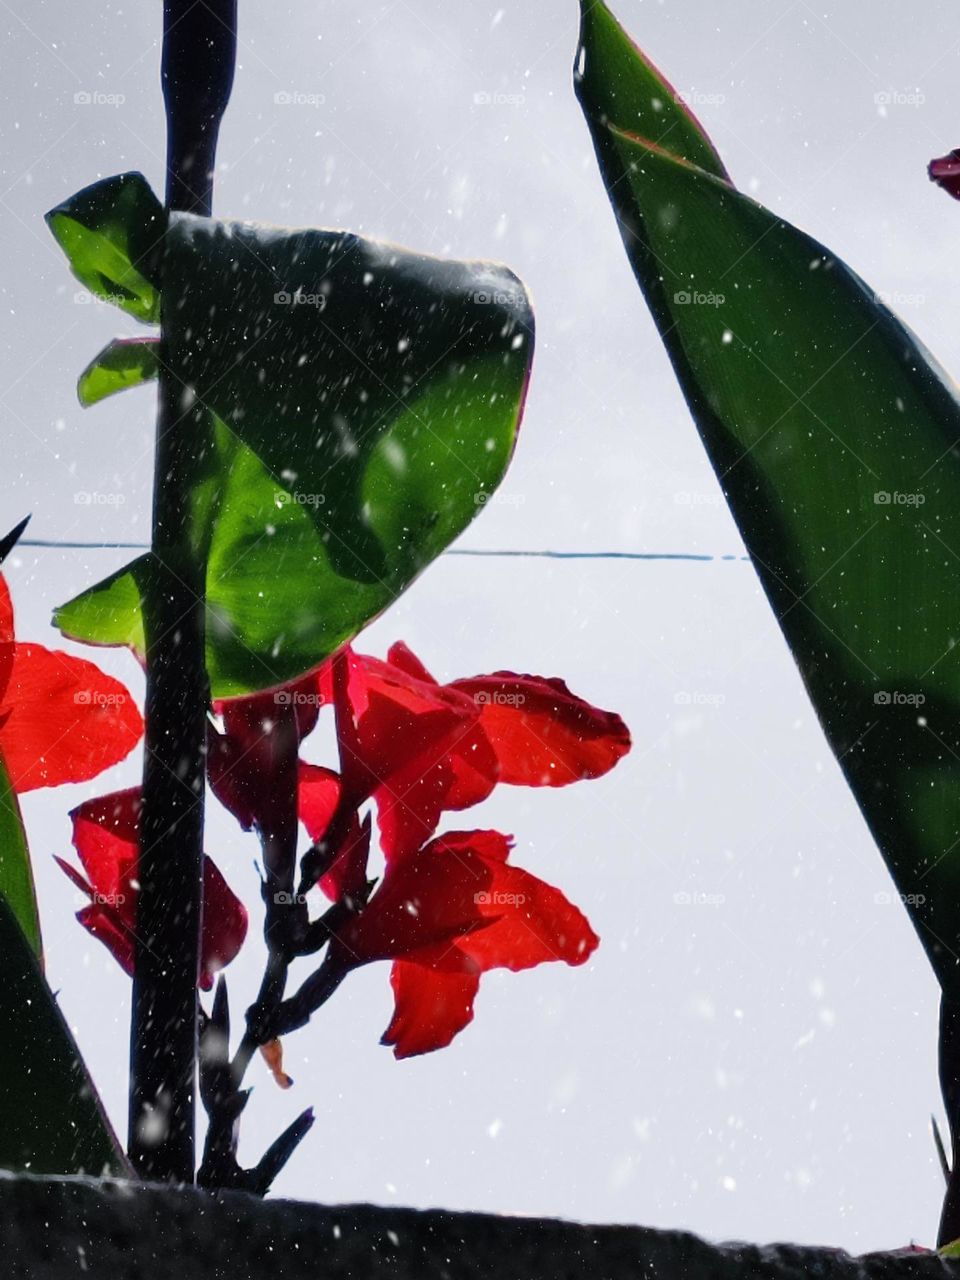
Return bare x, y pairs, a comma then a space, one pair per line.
448, 909
243, 760
444, 915
419, 748
106, 836
61, 719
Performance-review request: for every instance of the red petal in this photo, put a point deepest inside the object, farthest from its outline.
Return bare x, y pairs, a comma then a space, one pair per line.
246, 762
431, 1004
460, 889
242, 715
532, 923
105, 835
428, 897
402, 657
63, 720
410, 803
476, 769
117, 940
317, 798
543, 734
224, 923
945, 172
6, 611
406, 749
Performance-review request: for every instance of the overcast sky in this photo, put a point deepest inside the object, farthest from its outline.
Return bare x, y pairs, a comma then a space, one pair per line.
751, 1052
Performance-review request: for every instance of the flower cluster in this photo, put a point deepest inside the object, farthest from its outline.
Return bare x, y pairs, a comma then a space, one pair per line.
447, 907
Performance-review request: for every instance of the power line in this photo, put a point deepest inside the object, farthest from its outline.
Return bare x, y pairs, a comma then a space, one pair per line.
483, 552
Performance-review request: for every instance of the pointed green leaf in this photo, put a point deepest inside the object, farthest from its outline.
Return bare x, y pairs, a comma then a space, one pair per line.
51, 1120
124, 362
112, 235
618, 85
366, 404
836, 439
16, 876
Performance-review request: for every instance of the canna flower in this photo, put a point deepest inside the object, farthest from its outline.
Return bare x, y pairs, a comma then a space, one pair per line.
448, 908
61, 718
106, 838
418, 748
446, 914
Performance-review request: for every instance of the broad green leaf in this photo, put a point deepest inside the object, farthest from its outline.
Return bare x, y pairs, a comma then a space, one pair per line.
835, 438
124, 362
366, 403
381, 388
112, 234
51, 1120
16, 876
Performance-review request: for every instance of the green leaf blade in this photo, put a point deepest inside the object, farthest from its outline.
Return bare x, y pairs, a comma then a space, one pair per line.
51, 1120
123, 363
111, 233
836, 439
16, 875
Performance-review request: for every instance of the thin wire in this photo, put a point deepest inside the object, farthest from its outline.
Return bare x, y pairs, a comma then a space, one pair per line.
490, 553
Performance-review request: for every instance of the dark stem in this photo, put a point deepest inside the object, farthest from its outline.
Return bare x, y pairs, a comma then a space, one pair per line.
199, 54
949, 1062
285, 922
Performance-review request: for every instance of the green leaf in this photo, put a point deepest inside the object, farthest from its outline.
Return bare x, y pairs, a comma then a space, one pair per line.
16, 876
112, 234
618, 85
366, 404
51, 1119
836, 439
124, 362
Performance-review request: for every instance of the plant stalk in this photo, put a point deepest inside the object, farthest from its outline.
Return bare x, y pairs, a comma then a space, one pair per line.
199, 55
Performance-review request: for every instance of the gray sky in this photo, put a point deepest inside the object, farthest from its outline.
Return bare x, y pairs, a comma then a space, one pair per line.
758, 1062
